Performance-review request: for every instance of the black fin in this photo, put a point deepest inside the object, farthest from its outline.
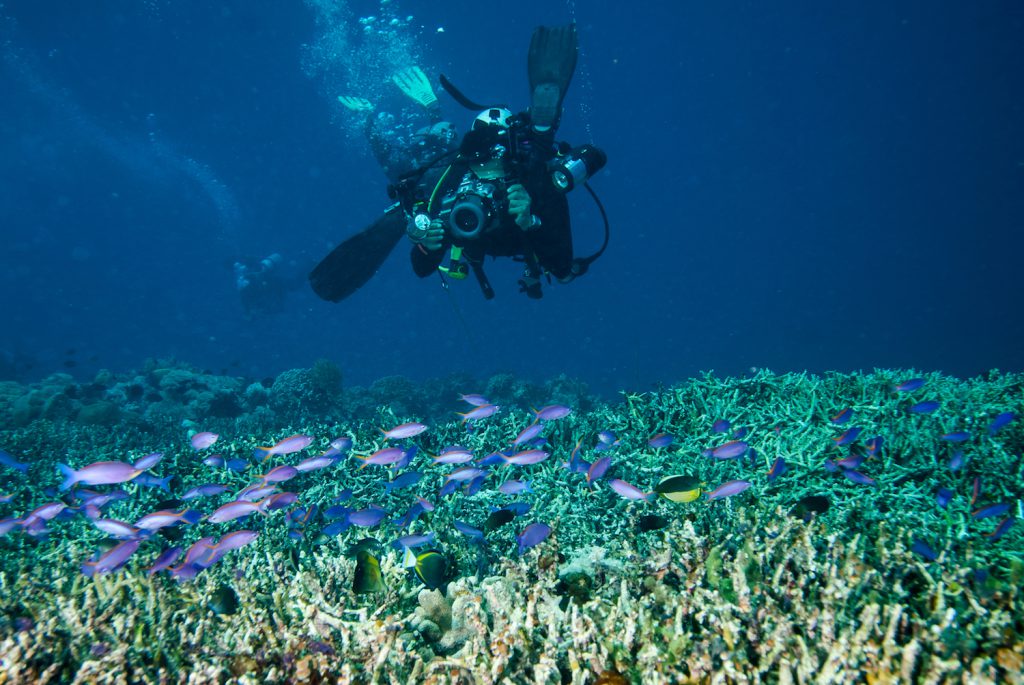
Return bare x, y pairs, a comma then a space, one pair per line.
550, 64
354, 262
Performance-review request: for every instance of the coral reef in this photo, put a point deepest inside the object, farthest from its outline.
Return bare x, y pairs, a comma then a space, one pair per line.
734, 590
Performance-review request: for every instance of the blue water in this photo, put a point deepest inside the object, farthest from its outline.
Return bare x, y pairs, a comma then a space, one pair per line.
837, 187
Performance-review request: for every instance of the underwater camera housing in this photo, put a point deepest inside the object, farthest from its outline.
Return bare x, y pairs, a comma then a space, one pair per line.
577, 167
470, 210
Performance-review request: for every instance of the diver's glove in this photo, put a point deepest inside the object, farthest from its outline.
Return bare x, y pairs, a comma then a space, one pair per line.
519, 207
355, 104
415, 84
426, 233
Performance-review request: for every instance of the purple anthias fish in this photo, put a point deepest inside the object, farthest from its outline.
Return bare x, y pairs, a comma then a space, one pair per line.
413, 541
279, 501
315, 463
254, 492
1000, 530
166, 558
384, 457
873, 445
162, 519
10, 462
527, 458
237, 464
843, 416
852, 461
202, 440
112, 559
473, 486
778, 468
117, 529
991, 510
236, 540
207, 490
466, 473
606, 440
598, 469
720, 426
475, 399
958, 436
233, 510
482, 411
734, 449
279, 474
728, 489
1000, 421
528, 433
909, 385
552, 412
661, 440
148, 461
98, 473
847, 436
626, 490
926, 407
405, 430
532, 535
214, 461
454, 456
514, 487
290, 445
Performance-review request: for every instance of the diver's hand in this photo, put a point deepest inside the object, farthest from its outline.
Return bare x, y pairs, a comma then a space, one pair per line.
429, 236
519, 207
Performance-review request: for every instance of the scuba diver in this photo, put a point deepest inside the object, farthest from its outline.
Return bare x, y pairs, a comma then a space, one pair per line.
262, 285
501, 193
398, 151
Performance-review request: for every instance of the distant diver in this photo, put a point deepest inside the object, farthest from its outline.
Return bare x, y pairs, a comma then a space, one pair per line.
263, 284
501, 192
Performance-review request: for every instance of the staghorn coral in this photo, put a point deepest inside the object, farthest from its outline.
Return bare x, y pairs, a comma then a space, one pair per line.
730, 591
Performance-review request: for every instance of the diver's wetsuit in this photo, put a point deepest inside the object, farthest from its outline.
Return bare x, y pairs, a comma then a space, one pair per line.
550, 243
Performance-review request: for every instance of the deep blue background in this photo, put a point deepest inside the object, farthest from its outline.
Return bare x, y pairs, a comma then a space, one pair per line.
791, 186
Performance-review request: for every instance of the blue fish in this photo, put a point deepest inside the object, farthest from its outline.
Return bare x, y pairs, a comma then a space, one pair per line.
957, 461
151, 481
532, 535
943, 497
518, 508
926, 407
9, 461
924, 549
370, 517
908, 385
958, 436
336, 528
406, 480
469, 531
1000, 421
